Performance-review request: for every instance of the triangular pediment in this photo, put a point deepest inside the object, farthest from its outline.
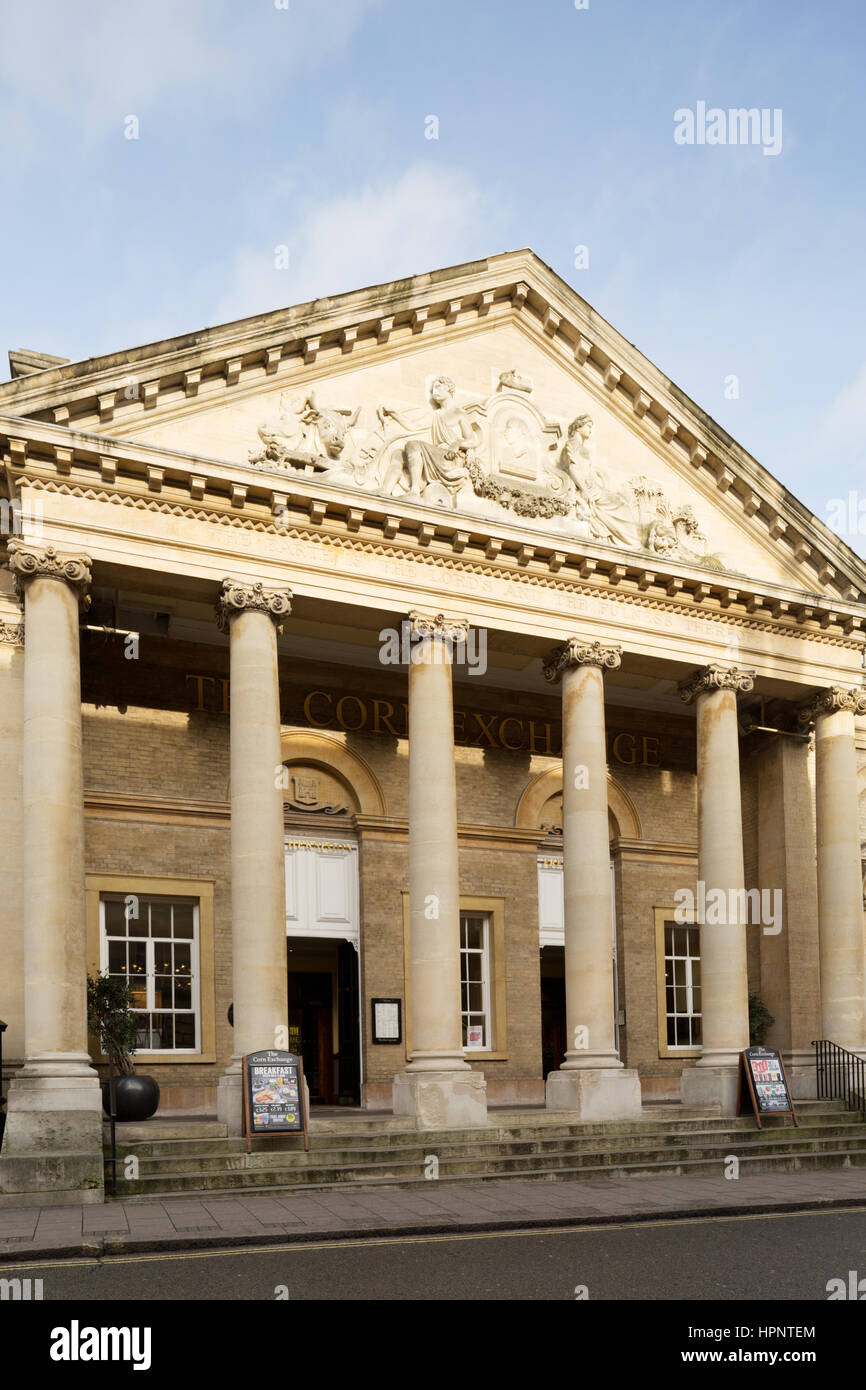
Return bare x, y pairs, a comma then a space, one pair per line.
343, 391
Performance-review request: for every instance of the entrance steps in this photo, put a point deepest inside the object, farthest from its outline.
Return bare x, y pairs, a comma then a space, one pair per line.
195, 1156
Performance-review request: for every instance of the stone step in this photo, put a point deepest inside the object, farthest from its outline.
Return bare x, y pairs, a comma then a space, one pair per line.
444, 1143
458, 1160
372, 1130
399, 1175
347, 1137
160, 1128
191, 1158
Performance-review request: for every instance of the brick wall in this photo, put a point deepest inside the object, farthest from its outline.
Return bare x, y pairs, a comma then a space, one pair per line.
171, 756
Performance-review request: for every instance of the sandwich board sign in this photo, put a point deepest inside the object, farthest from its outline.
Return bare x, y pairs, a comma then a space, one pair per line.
274, 1095
762, 1075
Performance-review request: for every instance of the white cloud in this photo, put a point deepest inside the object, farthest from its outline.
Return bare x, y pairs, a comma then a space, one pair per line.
431, 216
79, 70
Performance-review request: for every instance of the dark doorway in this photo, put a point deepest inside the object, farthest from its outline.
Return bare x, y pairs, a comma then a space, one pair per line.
553, 1039
322, 994
311, 1031
348, 1005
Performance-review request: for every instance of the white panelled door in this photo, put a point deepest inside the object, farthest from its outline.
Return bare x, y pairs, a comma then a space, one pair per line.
322, 897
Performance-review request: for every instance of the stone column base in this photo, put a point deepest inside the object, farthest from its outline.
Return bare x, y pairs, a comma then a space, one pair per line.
710, 1086
54, 1106
595, 1093
230, 1101
802, 1074
441, 1099
52, 1144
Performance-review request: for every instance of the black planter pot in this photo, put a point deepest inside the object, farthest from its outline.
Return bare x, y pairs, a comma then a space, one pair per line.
137, 1097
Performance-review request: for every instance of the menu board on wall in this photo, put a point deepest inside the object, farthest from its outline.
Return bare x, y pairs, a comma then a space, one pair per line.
274, 1095
766, 1081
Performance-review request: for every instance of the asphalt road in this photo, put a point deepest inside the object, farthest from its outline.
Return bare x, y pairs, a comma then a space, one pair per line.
758, 1258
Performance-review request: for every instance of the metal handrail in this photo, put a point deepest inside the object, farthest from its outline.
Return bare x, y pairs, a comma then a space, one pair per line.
841, 1075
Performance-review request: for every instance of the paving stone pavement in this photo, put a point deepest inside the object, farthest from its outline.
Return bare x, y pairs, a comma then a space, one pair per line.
201, 1221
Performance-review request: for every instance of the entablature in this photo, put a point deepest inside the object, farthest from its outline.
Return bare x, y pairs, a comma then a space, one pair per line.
45, 458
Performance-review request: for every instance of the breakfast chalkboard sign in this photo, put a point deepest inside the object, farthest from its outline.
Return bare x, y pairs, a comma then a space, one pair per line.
766, 1081
274, 1095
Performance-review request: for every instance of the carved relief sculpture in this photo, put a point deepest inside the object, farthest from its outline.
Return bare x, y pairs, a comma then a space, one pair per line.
306, 433
486, 457
610, 515
316, 792
512, 380
453, 440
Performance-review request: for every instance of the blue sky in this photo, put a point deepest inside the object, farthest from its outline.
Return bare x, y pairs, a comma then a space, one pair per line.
304, 126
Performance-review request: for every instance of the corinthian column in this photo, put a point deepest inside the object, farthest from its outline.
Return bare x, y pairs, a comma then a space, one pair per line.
592, 1081
840, 888
724, 976
54, 1101
438, 1086
250, 614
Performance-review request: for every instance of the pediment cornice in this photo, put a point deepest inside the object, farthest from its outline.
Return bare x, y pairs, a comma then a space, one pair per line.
304, 506
303, 343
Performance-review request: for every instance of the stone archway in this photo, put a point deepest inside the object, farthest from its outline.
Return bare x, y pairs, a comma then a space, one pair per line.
541, 802
323, 775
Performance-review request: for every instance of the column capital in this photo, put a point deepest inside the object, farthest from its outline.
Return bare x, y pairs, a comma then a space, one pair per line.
577, 652
716, 677
12, 633
832, 701
449, 629
238, 596
28, 562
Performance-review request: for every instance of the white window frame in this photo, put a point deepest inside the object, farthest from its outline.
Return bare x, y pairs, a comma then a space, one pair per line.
484, 953
150, 972
691, 1013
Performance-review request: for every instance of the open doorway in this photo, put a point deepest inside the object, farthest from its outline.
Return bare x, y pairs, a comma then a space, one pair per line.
323, 1005
553, 1040
551, 921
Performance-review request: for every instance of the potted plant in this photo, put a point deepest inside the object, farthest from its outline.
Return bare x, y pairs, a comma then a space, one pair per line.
111, 1019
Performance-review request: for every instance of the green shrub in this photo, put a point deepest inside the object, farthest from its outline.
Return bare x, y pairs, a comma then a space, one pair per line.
111, 1019
760, 1019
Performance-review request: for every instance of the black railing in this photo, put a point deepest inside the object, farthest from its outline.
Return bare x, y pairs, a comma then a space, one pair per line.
841, 1075
2, 1097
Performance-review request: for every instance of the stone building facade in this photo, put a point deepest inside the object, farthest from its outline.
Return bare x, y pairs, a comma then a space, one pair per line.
407, 671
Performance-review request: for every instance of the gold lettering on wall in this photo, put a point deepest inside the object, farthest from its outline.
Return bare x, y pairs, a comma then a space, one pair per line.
512, 747
655, 751
342, 717
624, 750
323, 709
533, 745
379, 718
201, 681
308, 709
